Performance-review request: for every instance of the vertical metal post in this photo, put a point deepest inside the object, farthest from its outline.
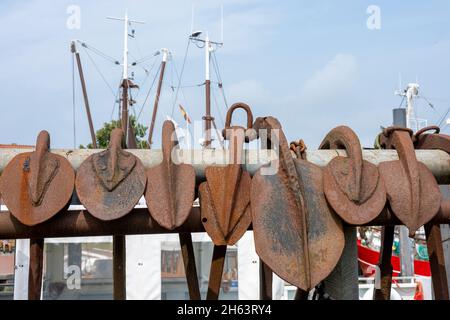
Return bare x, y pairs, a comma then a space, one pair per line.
124, 116
385, 265
437, 261
266, 280
215, 275
119, 270
438, 242
187, 250
445, 231
35, 269
119, 242
207, 117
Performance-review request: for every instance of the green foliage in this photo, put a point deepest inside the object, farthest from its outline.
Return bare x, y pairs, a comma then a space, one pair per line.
103, 135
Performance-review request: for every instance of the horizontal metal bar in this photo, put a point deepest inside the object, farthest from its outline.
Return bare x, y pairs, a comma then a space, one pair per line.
437, 161
80, 223
68, 224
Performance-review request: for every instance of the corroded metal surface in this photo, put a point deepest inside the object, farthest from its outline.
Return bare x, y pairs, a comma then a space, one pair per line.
433, 232
170, 187
437, 261
437, 161
436, 141
225, 196
412, 191
81, 224
35, 269
35, 186
385, 265
216, 271
109, 184
353, 186
169, 195
296, 233
187, 251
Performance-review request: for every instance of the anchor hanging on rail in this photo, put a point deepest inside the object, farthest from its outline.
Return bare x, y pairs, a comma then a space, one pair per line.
110, 183
353, 186
37, 185
296, 233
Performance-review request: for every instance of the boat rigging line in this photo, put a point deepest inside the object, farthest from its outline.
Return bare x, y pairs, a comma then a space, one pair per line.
180, 76
99, 71
219, 78
148, 94
98, 52
74, 104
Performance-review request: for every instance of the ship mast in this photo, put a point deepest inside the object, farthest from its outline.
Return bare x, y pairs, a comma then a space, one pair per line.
209, 47
165, 57
410, 94
119, 242
127, 84
208, 119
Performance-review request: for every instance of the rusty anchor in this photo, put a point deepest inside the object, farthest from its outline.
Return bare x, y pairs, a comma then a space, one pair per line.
352, 186
225, 196
225, 199
296, 233
169, 195
407, 167
170, 188
35, 186
412, 190
435, 141
110, 183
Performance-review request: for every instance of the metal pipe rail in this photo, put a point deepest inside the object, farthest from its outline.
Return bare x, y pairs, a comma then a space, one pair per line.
436, 160
80, 223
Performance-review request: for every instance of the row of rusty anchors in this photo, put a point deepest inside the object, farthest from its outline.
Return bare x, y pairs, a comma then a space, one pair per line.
225, 198
413, 196
296, 233
37, 185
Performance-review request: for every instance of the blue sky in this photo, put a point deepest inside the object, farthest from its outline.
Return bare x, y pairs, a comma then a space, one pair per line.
313, 65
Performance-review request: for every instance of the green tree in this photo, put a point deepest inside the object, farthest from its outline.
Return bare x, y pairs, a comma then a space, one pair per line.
103, 135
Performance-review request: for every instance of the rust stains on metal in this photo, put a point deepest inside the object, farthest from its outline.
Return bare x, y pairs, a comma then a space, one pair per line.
435, 141
412, 191
433, 232
36, 186
169, 195
385, 265
353, 186
170, 187
299, 148
225, 196
296, 233
110, 183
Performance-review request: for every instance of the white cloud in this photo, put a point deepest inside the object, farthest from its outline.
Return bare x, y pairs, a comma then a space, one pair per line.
247, 89
334, 81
